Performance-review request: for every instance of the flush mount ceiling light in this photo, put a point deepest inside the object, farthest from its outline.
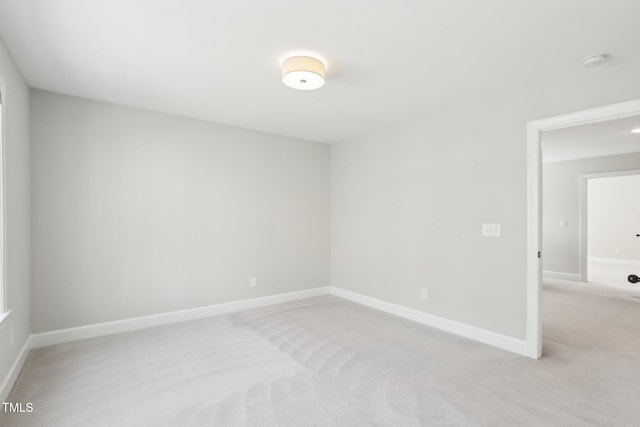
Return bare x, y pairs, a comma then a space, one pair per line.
303, 73
636, 130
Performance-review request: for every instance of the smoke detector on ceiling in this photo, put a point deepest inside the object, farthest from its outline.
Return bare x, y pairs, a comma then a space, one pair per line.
595, 60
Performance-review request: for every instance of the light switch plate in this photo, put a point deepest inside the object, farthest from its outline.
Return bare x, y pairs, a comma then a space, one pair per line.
491, 230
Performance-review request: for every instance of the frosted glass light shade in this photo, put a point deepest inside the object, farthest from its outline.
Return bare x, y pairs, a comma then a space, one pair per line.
303, 73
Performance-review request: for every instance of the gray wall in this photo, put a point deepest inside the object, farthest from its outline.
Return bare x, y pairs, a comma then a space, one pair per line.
17, 249
614, 217
561, 189
407, 203
138, 213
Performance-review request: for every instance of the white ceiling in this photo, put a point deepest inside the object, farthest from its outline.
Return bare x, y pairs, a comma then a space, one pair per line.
218, 60
593, 140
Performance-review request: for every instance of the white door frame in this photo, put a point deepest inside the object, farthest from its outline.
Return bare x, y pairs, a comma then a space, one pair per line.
534, 203
584, 220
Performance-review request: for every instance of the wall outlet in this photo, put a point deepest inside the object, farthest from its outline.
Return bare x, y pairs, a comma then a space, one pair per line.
424, 293
616, 251
491, 230
253, 282
563, 223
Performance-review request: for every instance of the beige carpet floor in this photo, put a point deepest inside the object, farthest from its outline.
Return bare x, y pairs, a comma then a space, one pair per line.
329, 362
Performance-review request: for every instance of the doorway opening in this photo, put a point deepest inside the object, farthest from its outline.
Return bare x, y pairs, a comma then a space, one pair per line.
610, 232
535, 130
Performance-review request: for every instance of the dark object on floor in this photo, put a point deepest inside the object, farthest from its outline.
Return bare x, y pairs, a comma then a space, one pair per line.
633, 278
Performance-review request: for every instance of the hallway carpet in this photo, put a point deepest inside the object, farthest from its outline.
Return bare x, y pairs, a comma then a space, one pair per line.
329, 362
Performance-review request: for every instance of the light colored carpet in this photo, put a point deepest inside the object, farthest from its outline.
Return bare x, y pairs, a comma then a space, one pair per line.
329, 362
626, 292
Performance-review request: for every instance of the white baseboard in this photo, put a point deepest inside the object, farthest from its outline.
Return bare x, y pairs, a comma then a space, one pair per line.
126, 325
560, 275
12, 375
482, 335
615, 261
109, 328
136, 323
